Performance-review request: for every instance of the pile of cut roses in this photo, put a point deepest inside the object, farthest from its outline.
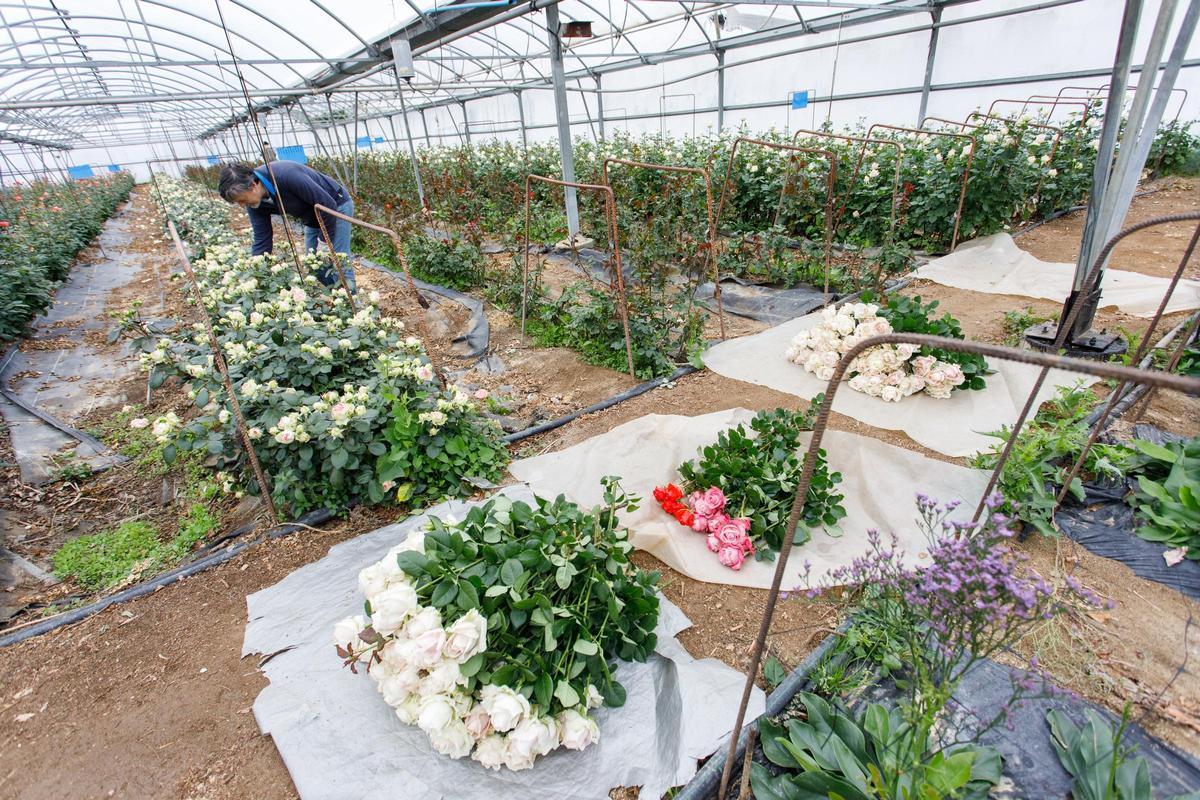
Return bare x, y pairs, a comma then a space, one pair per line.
704, 512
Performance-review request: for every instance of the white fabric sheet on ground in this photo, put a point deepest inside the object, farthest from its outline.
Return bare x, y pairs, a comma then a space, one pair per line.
955, 426
339, 739
995, 265
879, 484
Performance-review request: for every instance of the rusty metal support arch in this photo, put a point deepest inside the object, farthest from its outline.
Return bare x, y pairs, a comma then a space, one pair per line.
830, 178
864, 141
618, 280
966, 174
391, 234
711, 230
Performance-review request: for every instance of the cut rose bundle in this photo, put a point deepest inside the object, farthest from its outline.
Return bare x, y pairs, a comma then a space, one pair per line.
739, 491
497, 635
886, 371
704, 512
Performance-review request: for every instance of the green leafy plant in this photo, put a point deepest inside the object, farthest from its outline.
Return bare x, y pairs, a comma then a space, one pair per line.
758, 467
99, 560
43, 226
1167, 497
456, 263
875, 756
1044, 450
1175, 150
437, 448
1017, 322
1102, 767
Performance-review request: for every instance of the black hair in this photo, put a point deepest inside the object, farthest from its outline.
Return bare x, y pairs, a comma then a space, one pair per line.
235, 179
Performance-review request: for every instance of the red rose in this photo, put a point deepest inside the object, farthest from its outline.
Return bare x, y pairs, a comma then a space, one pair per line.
3, 223
673, 508
660, 492
673, 492
685, 517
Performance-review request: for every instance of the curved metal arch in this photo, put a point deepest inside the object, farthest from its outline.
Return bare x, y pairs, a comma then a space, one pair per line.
232, 32
31, 23
146, 40
123, 76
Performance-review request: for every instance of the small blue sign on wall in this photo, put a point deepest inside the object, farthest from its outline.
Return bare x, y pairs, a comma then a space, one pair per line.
114, 167
294, 152
364, 141
378, 140
800, 99
211, 159
81, 171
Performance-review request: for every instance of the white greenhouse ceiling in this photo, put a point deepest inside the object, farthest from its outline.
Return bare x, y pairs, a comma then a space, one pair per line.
79, 73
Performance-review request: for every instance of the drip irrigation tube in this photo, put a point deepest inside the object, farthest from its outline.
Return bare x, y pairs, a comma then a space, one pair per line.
628, 394
1062, 212
179, 573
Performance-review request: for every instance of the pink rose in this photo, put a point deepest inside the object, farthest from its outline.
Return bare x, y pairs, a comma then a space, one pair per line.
731, 557
743, 522
716, 521
479, 723
700, 524
731, 535
707, 504
716, 497
714, 544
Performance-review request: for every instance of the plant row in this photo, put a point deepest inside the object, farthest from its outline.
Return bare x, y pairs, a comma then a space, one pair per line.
43, 226
339, 404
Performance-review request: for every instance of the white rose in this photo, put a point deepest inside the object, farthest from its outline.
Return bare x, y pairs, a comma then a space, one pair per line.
532, 738
824, 373
372, 580
436, 712
423, 621
396, 687
505, 707
414, 542
424, 372
442, 679
391, 607
592, 697
890, 394
425, 651
346, 632
576, 731
140, 422
408, 710
454, 740
491, 751
285, 437
254, 433
466, 637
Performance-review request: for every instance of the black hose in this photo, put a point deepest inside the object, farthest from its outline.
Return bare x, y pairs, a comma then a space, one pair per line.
179, 573
628, 394
1064, 211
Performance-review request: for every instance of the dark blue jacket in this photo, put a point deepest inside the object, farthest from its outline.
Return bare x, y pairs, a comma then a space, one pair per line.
297, 188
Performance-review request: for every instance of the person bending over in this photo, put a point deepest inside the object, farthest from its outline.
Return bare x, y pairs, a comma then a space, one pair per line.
296, 189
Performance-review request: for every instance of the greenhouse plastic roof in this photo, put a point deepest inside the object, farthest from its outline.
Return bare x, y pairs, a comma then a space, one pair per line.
94, 72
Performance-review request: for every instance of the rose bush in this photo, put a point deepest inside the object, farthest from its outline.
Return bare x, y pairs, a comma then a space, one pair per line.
42, 228
318, 383
497, 635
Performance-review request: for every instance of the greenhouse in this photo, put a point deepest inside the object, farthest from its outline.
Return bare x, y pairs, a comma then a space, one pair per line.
588, 399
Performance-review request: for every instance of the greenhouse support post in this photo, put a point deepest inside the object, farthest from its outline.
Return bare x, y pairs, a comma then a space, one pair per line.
600, 107
521, 115
466, 131
936, 14
720, 90
563, 120
412, 149
354, 152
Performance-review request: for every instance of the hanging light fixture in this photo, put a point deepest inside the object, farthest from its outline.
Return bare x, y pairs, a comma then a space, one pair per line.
576, 29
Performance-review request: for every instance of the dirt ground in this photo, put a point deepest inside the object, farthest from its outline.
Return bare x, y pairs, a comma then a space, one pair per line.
152, 699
